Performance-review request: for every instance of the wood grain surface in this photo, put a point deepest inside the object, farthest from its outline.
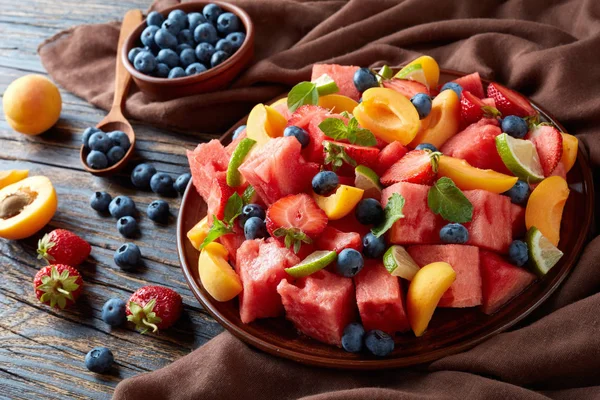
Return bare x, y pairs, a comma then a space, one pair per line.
42, 350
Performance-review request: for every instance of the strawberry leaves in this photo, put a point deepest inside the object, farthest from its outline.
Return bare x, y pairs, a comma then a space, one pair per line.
144, 318
293, 237
336, 156
58, 287
233, 208
446, 199
491, 112
337, 130
392, 212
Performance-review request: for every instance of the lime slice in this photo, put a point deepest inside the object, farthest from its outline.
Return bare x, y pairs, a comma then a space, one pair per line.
399, 263
543, 255
326, 85
313, 263
234, 178
367, 180
520, 157
414, 73
385, 73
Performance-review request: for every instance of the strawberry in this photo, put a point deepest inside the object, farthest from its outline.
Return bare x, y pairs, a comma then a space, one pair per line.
218, 196
417, 166
58, 285
63, 247
472, 83
549, 145
472, 109
363, 155
336, 240
154, 308
389, 155
405, 87
304, 114
510, 102
295, 219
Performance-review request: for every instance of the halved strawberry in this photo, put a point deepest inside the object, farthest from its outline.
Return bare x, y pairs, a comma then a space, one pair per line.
303, 114
417, 166
488, 101
295, 219
363, 155
336, 240
405, 87
218, 196
549, 145
510, 102
389, 155
472, 109
472, 83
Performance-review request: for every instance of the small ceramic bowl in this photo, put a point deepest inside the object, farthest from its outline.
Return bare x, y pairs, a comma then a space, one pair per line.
213, 79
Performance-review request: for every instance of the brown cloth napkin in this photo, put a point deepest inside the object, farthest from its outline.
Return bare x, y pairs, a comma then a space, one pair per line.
546, 49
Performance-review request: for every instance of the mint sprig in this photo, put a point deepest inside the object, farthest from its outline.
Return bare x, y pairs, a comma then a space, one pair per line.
294, 238
233, 208
393, 212
337, 130
301, 94
446, 199
336, 156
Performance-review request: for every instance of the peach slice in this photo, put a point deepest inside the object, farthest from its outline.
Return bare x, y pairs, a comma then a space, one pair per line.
217, 276
388, 114
545, 207
198, 233
264, 123
570, 145
337, 103
26, 206
12, 176
467, 177
430, 67
442, 122
340, 203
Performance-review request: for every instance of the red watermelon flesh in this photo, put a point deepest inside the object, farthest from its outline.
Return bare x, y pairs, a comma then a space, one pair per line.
336, 240
231, 146
472, 83
477, 145
261, 266
304, 114
320, 305
501, 281
419, 225
388, 156
517, 217
278, 169
205, 162
343, 75
380, 299
350, 224
233, 241
491, 226
314, 151
405, 87
466, 289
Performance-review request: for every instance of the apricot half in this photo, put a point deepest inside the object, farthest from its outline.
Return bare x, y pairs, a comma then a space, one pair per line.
442, 122
340, 203
12, 176
264, 123
216, 275
467, 177
430, 68
198, 233
545, 207
569, 155
337, 103
389, 115
26, 207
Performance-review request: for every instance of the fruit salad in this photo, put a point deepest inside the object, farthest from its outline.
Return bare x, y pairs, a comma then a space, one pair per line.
365, 200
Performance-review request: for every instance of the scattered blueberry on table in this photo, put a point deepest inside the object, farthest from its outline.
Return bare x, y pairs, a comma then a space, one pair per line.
141, 175
100, 201
158, 211
127, 256
127, 226
113, 312
162, 183
181, 182
121, 206
99, 360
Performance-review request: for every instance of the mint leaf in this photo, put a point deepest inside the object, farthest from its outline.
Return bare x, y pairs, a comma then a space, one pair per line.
392, 212
302, 93
217, 230
336, 129
447, 200
233, 208
364, 137
248, 194
336, 156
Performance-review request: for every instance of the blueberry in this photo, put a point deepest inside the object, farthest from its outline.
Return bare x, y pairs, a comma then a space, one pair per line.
162, 70
141, 175
100, 141
165, 39
298, 133
454, 233
187, 57
518, 253
224, 45
204, 52
173, 27
369, 211
181, 182
186, 37
519, 193
379, 343
158, 211
426, 146
169, 57
119, 138
147, 37
422, 103
145, 62
238, 131
114, 312
249, 211
218, 58
373, 246
206, 33
100, 201
181, 47
162, 184
177, 72
228, 23
237, 39
364, 79
194, 69
154, 18
515, 126
128, 256
195, 19
127, 226
352, 339
133, 52
180, 17
255, 228
87, 133
453, 86
115, 154
211, 12
96, 160
349, 263
121, 206
99, 360
325, 183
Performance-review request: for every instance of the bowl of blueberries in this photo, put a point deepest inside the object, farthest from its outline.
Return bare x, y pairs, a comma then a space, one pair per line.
188, 49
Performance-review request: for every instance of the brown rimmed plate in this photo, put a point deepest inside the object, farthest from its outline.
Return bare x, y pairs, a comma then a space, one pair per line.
450, 331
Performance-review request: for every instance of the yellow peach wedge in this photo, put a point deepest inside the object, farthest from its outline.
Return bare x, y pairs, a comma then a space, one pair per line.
467, 177
337, 103
430, 68
26, 207
12, 176
442, 122
389, 115
264, 123
198, 233
424, 294
545, 207
340, 203
570, 146
216, 275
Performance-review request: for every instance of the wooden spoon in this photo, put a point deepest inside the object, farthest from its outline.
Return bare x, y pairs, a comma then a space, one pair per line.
115, 120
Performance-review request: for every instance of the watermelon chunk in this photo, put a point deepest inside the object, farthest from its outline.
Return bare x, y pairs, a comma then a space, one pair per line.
388, 156
261, 266
419, 225
205, 162
472, 83
501, 281
336, 240
320, 305
491, 226
350, 224
466, 289
380, 299
218, 196
233, 241
314, 151
477, 145
343, 75
278, 169
517, 218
